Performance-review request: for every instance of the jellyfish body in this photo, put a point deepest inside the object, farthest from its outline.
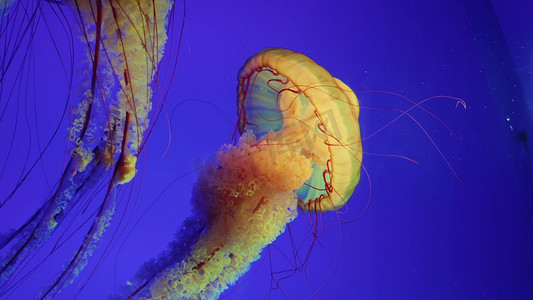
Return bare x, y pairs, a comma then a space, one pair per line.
246, 197
124, 43
247, 200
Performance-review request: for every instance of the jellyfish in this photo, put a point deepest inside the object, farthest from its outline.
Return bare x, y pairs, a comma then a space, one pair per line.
299, 149
124, 44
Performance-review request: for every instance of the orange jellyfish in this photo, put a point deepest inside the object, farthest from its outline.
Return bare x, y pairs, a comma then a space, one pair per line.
300, 146
124, 43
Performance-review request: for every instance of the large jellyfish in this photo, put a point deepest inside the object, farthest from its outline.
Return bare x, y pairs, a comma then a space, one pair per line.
124, 42
299, 147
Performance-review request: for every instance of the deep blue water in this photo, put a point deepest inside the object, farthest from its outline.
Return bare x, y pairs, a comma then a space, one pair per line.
426, 235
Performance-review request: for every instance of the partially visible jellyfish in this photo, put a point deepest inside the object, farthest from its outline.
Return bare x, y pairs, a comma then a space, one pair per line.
124, 42
300, 147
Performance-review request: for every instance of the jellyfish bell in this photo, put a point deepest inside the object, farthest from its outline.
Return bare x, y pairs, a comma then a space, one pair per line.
288, 93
